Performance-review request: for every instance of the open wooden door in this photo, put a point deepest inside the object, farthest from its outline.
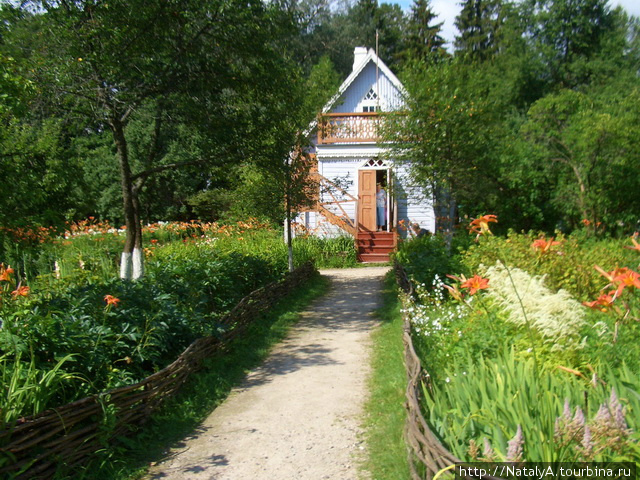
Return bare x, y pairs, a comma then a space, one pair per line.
367, 200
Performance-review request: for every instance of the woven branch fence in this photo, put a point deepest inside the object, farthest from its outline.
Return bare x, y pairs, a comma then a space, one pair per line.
427, 456
35, 446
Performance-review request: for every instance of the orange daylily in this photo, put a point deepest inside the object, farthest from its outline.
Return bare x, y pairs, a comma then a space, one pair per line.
455, 293
627, 278
111, 300
544, 245
481, 224
21, 291
603, 302
611, 276
5, 273
475, 283
636, 245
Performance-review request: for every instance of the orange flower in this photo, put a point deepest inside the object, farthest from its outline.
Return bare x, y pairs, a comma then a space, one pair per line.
626, 278
21, 291
544, 245
475, 283
5, 273
481, 224
612, 274
454, 292
111, 300
636, 245
603, 302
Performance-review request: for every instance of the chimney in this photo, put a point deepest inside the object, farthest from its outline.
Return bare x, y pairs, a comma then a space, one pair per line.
359, 55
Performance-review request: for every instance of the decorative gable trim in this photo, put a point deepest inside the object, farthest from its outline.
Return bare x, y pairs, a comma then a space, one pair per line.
370, 57
375, 163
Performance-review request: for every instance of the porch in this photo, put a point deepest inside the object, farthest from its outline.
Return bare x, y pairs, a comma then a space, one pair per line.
357, 217
348, 127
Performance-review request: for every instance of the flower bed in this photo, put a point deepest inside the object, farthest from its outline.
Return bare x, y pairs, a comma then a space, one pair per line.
520, 369
32, 447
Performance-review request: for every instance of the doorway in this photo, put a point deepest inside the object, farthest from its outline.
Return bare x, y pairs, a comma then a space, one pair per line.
374, 206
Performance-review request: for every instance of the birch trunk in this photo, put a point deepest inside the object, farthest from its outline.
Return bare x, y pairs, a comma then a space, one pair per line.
132, 260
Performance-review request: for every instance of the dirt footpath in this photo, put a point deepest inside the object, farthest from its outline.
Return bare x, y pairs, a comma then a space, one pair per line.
298, 416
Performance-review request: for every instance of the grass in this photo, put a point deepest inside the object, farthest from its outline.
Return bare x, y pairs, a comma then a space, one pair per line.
385, 414
202, 393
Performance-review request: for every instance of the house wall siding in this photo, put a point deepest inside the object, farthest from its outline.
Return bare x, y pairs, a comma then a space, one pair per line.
341, 171
414, 204
388, 94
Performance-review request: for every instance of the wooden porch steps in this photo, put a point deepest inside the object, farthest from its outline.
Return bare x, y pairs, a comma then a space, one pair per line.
375, 247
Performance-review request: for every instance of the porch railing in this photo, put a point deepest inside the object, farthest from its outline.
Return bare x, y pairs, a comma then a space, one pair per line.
348, 127
337, 197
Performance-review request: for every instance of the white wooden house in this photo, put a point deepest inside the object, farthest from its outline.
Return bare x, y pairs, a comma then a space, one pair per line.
351, 162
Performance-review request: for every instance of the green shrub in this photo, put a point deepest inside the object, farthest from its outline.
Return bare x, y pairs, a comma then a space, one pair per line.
188, 287
569, 265
425, 257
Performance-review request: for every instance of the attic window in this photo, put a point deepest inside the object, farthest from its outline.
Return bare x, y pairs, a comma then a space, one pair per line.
371, 95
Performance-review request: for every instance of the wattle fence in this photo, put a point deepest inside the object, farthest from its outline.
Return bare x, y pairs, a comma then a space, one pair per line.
36, 445
427, 456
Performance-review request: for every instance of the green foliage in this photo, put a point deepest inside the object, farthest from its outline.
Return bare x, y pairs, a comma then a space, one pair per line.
568, 265
424, 258
479, 25
28, 390
188, 288
451, 134
337, 252
581, 145
491, 398
516, 361
423, 42
386, 416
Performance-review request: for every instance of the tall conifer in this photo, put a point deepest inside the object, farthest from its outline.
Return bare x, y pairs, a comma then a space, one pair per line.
424, 41
478, 23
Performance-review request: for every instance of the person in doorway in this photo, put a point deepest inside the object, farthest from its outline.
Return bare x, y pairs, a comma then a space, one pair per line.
381, 207
419, 232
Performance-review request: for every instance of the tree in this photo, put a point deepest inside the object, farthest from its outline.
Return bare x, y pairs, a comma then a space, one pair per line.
423, 40
107, 61
450, 136
584, 144
567, 34
478, 25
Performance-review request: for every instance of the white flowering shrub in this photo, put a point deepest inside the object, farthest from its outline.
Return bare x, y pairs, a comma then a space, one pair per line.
525, 300
431, 312
444, 330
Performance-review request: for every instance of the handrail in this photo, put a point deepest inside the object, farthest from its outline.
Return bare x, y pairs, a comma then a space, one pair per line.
343, 221
348, 127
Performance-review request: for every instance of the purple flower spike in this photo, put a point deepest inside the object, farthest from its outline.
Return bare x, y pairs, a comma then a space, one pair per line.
514, 450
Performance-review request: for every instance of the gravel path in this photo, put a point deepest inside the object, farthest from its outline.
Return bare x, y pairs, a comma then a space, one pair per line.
298, 416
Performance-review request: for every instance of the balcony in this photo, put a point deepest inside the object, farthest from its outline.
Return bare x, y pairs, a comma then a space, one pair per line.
348, 127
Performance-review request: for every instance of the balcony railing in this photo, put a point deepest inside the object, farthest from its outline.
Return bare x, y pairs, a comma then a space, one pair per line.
348, 127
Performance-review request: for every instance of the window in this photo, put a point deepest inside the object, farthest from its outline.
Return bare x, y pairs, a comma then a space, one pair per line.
371, 95
370, 102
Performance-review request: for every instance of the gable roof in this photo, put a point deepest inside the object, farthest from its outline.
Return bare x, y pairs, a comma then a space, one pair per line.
357, 70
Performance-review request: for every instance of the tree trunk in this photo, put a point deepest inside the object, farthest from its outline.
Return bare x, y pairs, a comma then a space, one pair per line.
287, 201
131, 262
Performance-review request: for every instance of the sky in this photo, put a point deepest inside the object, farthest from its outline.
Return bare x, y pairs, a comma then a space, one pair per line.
447, 10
